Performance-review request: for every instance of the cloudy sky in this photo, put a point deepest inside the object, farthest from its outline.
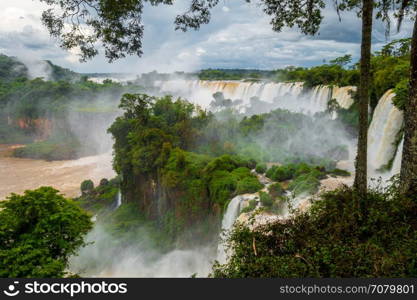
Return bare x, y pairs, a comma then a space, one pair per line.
239, 36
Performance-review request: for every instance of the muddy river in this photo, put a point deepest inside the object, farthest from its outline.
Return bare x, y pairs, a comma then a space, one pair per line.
20, 174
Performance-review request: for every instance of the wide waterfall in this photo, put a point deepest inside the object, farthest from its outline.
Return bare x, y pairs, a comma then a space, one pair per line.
286, 95
382, 133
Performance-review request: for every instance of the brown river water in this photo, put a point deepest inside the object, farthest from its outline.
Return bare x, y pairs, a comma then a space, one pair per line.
20, 174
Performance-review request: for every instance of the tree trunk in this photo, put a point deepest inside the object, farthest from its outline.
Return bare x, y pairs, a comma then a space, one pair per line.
408, 174
360, 183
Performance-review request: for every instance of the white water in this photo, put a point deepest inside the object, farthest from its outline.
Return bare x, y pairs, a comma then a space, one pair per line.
229, 218
396, 165
343, 95
118, 199
386, 123
286, 95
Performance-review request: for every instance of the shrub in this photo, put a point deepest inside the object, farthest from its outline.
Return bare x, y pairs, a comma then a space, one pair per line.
306, 183
241, 173
266, 199
248, 184
340, 172
104, 181
302, 168
87, 186
280, 173
251, 163
221, 186
260, 168
275, 190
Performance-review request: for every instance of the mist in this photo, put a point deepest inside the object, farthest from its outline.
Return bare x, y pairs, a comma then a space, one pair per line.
107, 256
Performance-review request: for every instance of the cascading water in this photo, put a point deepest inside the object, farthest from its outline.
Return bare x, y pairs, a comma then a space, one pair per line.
343, 95
286, 95
382, 133
229, 218
118, 199
396, 165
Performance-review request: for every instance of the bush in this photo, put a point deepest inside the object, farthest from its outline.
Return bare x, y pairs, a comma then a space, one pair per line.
249, 184
281, 173
306, 183
260, 168
276, 190
266, 199
87, 186
104, 181
241, 173
100, 199
330, 240
340, 172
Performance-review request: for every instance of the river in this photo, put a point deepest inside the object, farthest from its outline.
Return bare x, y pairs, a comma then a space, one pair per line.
20, 174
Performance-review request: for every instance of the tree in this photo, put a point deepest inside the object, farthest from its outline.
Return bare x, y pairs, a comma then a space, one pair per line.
361, 173
342, 60
39, 230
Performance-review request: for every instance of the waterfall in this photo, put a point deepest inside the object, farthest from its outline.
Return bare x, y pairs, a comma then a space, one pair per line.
382, 133
396, 165
343, 95
118, 199
285, 95
229, 218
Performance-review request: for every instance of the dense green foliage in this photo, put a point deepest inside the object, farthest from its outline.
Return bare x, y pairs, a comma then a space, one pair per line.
38, 232
305, 179
260, 168
100, 199
331, 240
234, 74
87, 186
327, 74
275, 190
266, 199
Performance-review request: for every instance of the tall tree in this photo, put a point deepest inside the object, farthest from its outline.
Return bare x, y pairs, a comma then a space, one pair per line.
365, 79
